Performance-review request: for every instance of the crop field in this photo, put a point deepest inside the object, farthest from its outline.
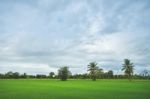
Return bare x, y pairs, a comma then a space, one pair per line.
74, 89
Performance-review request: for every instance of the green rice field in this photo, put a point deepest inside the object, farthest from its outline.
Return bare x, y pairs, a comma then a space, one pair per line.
74, 89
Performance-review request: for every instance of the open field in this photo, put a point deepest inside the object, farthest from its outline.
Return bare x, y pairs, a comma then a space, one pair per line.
74, 89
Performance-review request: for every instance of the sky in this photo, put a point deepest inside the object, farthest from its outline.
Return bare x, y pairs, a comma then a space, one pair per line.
40, 36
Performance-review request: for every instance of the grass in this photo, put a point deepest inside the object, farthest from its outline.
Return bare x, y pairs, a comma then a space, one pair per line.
74, 89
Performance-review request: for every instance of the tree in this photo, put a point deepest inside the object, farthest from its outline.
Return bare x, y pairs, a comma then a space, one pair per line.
100, 73
63, 73
2, 76
51, 74
110, 74
128, 68
39, 76
24, 75
16, 75
92, 68
145, 73
69, 74
9, 74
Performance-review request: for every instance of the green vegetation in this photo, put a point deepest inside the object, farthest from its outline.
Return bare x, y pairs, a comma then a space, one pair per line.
108, 86
74, 89
94, 72
63, 73
92, 68
128, 68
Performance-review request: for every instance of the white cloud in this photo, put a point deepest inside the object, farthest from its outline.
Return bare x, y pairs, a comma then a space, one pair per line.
74, 33
29, 68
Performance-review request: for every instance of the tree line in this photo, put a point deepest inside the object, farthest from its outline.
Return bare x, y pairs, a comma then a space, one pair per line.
94, 72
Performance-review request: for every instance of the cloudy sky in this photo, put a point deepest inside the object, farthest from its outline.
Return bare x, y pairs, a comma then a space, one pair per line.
39, 36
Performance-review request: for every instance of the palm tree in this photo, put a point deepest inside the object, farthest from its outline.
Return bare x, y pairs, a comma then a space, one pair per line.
92, 67
128, 68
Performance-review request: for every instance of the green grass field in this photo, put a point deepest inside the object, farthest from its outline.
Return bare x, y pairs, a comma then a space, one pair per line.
74, 89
